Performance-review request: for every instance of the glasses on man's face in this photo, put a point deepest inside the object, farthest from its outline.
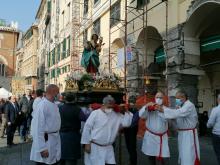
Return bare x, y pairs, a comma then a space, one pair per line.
159, 97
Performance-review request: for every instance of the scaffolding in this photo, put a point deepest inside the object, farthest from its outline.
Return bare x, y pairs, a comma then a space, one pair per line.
132, 14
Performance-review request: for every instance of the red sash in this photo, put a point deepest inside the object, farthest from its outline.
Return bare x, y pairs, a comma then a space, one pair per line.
197, 161
161, 141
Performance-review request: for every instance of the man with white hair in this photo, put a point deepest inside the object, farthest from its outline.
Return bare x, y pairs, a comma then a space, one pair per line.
155, 142
214, 123
100, 131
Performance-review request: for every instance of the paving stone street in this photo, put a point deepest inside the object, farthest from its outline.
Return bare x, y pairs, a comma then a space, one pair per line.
19, 154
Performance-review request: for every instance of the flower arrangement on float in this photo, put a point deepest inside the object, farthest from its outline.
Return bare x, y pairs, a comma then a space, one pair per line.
82, 81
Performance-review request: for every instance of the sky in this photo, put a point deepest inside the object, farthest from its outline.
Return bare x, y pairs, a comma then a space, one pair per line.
22, 11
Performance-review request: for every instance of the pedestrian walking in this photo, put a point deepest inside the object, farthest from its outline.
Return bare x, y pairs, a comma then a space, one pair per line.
100, 131
11, 113
186, 120
155, 142
71, 117
214, 123
46, 147
130, 133
23, 104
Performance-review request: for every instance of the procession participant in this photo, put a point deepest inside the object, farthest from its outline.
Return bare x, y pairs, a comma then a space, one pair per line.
130, 133
155, 142
186, 120
46, 147
214, 123
100, 132
71, 116
37, 100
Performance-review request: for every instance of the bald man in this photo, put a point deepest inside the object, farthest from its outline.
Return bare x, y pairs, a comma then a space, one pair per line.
46, 147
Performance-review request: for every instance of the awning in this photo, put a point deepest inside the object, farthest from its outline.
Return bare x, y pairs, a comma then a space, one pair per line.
160, 55
210, 44
4, 94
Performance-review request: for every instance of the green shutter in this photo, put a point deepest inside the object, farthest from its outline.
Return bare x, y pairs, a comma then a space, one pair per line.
210, 44
58, 53
160, 55
58, 72
64, 49
48, 59
53, 57
68, 51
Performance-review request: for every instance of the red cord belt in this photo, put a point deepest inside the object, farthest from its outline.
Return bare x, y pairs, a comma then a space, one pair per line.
161, 141
197, 161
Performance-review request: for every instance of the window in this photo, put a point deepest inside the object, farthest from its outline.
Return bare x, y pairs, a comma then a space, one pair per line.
69, 13
48, 59
53, 73
115, 13
95, 1
86, 7
64, 49
58, 53
58, 72
85, 35
96, 26
141, 3
2, 70
53, 57
68, 50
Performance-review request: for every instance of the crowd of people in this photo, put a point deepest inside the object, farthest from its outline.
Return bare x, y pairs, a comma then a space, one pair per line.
15, 114
62, 125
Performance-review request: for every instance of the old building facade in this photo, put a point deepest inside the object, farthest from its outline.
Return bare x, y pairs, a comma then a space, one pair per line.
28, 57
8, 42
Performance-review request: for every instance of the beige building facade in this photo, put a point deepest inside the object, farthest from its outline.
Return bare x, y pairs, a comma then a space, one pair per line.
55, 23
29, 58
174, 45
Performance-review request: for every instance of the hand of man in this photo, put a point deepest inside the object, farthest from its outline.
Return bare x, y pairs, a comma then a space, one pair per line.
44, 154
9, 123
150, 104
159, 108
88, 148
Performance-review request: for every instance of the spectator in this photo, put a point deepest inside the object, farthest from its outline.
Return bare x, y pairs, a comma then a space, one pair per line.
214, 122
11, 111
71, 117
23, 104
3, 118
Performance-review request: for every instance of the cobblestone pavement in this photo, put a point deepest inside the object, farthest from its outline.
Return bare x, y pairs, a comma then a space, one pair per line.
19, 154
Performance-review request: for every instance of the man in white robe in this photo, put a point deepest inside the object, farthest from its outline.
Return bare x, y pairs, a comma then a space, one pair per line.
46, 147
187, 120
37, 100
155, 142
100, 131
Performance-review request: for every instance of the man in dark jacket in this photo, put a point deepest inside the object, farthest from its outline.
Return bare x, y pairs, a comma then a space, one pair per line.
71, 117
131, 132
11, 111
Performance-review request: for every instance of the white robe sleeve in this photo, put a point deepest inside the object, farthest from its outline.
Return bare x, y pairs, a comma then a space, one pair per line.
40, 129
212, 119
143, 113
126, 119
176, 113
86, 135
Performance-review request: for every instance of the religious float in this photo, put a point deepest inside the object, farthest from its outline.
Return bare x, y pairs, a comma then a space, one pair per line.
95, 87
93, 84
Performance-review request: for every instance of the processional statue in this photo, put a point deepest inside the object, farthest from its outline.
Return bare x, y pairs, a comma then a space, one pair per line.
90, 57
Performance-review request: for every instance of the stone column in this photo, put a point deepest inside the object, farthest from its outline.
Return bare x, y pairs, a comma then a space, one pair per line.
183, 59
